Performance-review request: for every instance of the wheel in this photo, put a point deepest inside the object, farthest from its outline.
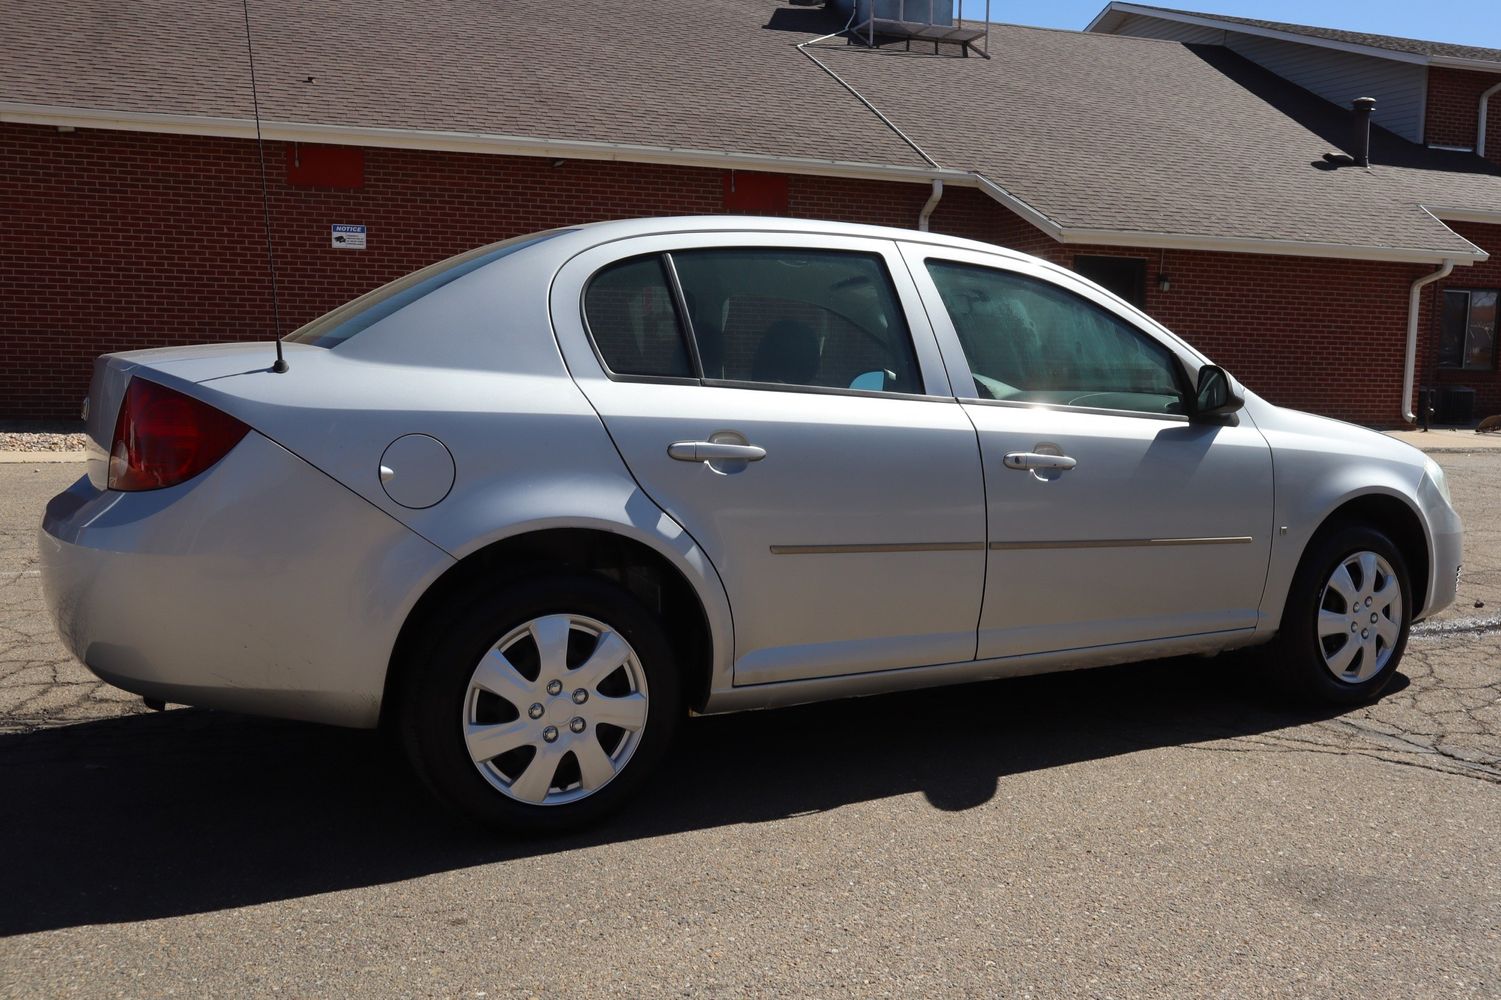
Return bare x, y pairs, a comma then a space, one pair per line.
1347, 617
543, 705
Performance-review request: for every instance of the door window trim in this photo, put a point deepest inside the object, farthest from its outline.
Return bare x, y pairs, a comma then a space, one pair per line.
917, 256
913, 314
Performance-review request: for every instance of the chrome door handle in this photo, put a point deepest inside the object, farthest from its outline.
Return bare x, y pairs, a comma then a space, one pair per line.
1035, 460
714, 451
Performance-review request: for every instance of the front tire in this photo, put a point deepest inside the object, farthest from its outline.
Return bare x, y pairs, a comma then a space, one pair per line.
1347, 618
543, 705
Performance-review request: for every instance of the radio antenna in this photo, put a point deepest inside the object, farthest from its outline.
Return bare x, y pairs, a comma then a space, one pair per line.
260, 148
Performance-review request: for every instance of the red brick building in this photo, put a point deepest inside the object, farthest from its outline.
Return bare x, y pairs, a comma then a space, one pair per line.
1186, 175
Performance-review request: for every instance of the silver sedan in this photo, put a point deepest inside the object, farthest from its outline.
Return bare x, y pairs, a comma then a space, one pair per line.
531, 505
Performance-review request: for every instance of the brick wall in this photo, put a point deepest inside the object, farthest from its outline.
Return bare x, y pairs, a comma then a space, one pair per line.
118, 240
1454, 109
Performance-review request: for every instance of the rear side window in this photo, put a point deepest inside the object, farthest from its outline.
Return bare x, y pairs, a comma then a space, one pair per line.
819, 318
629, 310
1031, 341
333, 328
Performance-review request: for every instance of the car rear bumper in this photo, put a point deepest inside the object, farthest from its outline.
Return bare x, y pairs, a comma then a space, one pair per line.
259, 586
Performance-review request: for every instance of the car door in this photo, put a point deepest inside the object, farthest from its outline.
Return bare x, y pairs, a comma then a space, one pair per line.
1113, 519
782, 398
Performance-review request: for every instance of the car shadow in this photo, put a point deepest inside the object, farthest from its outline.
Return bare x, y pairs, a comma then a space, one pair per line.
189, 811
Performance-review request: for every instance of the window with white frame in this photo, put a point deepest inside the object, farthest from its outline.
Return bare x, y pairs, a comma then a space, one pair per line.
1467, 333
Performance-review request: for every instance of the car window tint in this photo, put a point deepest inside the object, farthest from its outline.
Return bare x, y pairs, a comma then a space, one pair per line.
631, 316
1030, 341
829, 319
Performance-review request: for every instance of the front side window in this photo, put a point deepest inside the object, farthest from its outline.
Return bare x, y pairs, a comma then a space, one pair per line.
820, 318
1030, 341
1467, 333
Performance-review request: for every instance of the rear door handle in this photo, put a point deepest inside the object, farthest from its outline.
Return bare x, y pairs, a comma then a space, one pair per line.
1036, 460
714, 451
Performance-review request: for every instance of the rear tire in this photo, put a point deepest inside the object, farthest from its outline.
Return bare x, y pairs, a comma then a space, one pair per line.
543, 705
1347, 618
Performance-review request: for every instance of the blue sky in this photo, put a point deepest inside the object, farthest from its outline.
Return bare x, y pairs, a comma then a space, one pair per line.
1470, 22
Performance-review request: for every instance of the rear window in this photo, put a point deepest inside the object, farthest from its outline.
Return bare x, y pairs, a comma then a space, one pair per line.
333, 328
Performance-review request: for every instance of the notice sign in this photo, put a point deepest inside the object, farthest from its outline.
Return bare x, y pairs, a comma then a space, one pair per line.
348, 237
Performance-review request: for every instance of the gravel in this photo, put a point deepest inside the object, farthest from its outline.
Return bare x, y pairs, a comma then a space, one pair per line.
41, 441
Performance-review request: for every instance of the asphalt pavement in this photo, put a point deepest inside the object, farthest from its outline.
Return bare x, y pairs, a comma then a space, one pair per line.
1156, 830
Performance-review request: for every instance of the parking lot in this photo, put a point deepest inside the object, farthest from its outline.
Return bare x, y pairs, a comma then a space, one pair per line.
1162, 829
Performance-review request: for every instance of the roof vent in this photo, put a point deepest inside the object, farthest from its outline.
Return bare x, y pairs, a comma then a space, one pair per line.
937, 21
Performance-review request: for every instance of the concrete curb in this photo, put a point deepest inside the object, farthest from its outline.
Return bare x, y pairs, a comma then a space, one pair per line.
40, 457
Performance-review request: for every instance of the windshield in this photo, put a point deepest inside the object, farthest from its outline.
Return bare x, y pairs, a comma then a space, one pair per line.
333, 328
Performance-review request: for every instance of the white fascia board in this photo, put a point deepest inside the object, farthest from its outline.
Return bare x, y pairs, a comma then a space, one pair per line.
468, 142
1207, 21
1257, 245
1483, 215
1106, 20
1460, 62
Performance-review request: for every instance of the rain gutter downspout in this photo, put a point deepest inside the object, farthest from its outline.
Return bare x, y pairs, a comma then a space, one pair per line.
1412, 336
927, 210
1485, 100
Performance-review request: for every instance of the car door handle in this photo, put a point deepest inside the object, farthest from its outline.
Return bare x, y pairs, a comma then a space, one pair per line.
714, 451
1035, 460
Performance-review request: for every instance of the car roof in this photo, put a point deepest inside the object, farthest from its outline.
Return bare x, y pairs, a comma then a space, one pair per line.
597, 233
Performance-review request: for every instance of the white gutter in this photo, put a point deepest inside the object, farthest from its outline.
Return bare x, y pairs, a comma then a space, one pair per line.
932, 203
468, 142
1489, 216
513, 145
1410, 365
1485, 100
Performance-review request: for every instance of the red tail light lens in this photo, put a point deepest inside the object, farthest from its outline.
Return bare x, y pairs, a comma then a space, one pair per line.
163, 438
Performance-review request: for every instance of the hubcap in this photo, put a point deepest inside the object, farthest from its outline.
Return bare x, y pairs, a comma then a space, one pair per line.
555, 709
1360, 617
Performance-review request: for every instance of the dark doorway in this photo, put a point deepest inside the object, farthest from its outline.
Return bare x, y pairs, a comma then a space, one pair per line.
1125, 276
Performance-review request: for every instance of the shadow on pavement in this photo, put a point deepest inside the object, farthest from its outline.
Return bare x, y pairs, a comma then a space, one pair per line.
188, 811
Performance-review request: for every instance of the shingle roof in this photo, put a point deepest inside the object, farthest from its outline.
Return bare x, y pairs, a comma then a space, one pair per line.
1096, 132
704, 75
1392, 43
1146, 136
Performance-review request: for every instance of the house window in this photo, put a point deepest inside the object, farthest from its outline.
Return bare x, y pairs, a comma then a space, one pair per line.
1125, 276
1467, 334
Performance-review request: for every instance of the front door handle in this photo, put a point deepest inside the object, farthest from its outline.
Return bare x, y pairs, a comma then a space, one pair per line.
714, 451
1036, 460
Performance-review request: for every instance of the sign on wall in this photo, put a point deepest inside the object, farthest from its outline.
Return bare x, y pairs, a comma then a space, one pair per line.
348, 237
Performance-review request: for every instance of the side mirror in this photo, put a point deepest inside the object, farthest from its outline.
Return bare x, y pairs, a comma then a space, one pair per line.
1214, 396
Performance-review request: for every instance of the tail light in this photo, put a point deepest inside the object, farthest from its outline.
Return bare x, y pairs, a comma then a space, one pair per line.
164, 437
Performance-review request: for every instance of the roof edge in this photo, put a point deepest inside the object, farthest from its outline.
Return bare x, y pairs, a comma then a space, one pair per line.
499, 144
1448, 214
1262, 245
1211, 21
465, 142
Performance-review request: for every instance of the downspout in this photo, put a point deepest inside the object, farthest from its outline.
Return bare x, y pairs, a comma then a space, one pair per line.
1412, 336
1485, 100
927, 210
